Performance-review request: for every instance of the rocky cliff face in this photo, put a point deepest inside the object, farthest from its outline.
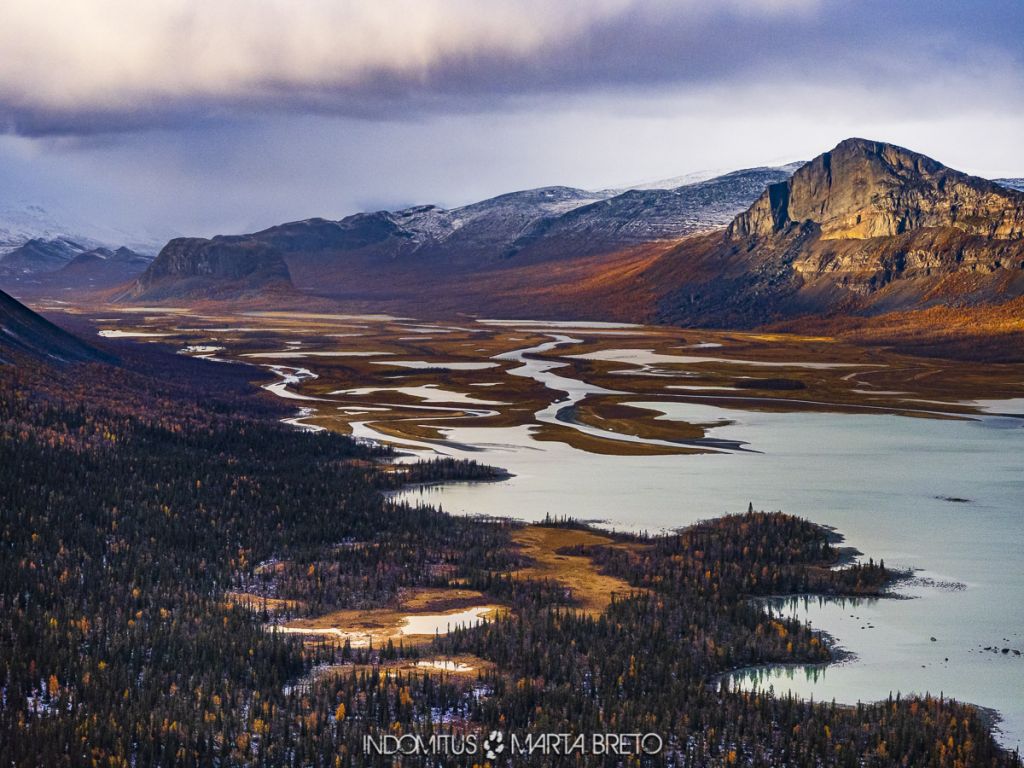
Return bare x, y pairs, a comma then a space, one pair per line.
197, 267
865, 228
867, 189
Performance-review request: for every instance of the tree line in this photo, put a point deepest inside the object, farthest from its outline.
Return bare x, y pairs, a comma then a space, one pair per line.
133, 501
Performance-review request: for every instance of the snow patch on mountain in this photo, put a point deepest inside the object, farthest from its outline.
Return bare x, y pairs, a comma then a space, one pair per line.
21, 221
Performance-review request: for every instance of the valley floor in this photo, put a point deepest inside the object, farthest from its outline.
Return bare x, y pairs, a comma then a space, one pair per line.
248, 593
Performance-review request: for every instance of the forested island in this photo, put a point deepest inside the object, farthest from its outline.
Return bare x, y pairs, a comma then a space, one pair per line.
139, 499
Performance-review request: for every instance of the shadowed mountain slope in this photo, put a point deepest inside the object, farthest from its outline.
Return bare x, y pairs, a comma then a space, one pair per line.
22, 331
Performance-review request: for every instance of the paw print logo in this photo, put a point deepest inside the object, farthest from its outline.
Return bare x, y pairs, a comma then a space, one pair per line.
494, 744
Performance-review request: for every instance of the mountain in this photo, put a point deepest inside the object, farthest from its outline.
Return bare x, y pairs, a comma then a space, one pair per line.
866, 189
323, 255
645, 215
47, 267
864, 229
21, 223
24, 221
1017, 184
102, 267
374, 256
488, 230
43, 252
38, 256
698, 176
223, 267
23, 332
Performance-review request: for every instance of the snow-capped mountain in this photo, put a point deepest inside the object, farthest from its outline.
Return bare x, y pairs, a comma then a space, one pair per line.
645, 215
40, 255
530, 223
37, 244
21, 221
530, 226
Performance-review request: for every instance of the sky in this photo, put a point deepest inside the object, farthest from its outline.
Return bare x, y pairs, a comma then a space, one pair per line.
197, 117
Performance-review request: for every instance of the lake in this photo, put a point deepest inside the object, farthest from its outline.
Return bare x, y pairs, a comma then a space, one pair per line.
940, 495
882, 480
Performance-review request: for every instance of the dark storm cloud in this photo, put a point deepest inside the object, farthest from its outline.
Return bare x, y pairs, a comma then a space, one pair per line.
205, 117
180, 64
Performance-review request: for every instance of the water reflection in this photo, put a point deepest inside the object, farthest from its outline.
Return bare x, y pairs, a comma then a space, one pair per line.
794, 605
763, 679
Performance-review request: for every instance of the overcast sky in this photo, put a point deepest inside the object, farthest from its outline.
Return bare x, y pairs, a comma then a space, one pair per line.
197, 117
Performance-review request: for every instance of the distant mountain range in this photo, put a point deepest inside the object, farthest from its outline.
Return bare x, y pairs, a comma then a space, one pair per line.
103, 267
864, 229
39, 256
24, 221
36, 245
44, 266
353, 256
21, 223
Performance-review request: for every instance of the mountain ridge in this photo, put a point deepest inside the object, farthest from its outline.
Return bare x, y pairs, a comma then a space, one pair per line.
23, 332
21, 221
862, 230
102, 267
1015, 184
885, 190
39, 255
865, 228
548, 224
